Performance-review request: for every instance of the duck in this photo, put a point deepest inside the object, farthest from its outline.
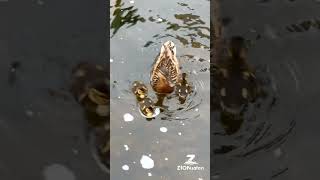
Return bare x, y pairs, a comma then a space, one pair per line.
183, 88
236, 80
165, 72
165, 69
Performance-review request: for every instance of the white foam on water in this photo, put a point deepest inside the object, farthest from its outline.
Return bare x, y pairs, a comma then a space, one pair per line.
163, 129
149, 174
125, 167
58, 171
128, 117
146, 162
126, 147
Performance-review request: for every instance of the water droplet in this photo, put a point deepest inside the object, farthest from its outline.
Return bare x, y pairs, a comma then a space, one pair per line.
163, 129
146, 162
125, 167
128, 117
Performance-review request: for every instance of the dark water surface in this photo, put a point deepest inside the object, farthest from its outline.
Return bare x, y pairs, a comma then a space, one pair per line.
278, 140
41, 133
138, 29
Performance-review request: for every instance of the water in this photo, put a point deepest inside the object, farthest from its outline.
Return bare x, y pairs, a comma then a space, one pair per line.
138, 30
40, 129
274, 139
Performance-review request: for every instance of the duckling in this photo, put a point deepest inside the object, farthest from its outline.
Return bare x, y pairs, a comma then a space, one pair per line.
140, 90
90, 87
183, 89
237, 81
165, 71
148, 109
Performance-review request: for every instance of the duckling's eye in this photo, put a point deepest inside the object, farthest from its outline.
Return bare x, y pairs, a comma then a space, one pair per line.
140, 91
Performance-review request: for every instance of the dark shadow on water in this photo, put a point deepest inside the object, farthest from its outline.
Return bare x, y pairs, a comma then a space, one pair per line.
124, 16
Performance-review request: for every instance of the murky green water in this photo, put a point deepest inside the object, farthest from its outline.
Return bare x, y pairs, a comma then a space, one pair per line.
138, 30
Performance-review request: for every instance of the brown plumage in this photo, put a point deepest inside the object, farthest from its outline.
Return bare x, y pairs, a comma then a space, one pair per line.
165, 71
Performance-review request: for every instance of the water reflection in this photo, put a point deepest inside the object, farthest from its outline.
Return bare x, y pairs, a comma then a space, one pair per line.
124, 16
189, 23
304, 26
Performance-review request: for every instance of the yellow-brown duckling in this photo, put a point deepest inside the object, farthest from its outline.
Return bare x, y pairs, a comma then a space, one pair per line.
90, 87
148, 109
183, 88
140, 90
237, 84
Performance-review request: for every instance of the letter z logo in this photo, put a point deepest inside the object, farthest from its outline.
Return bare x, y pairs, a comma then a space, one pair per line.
190, 160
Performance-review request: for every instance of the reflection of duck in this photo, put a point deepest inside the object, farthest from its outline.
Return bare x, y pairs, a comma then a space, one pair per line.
165, 71
183, 89
237, 84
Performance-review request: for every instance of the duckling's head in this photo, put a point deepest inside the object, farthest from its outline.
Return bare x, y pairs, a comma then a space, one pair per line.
140, 90
237, 47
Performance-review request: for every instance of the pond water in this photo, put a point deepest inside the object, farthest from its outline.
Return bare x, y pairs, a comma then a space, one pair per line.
274, 141
138, 29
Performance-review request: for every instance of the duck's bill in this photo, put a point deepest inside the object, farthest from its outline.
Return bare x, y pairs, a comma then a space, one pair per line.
155, 113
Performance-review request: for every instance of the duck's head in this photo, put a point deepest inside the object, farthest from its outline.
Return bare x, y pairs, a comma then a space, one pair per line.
168, 47
237, 47
140, 90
